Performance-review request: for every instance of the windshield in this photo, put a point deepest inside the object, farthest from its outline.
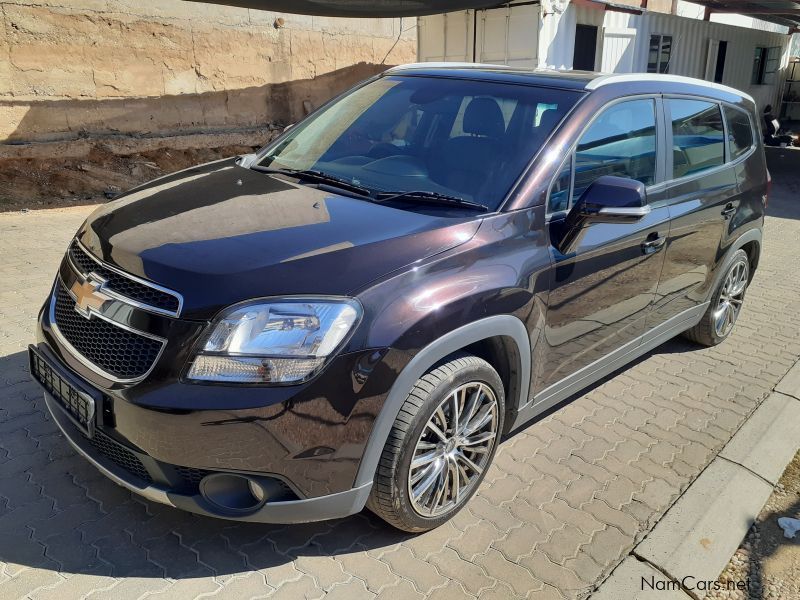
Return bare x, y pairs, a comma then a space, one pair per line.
469, 139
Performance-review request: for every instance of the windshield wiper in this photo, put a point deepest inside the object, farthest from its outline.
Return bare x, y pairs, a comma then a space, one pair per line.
431, 198
319, 176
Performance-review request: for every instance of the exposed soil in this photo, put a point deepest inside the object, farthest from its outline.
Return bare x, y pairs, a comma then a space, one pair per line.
32, 183
766, 557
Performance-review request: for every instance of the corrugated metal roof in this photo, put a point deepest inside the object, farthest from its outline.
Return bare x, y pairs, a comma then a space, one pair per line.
782, 12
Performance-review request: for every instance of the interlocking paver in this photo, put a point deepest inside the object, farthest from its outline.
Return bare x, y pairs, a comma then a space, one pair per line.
354, 589
517, 576
375, 573
251, 585
566, 499
422, 573
473, 579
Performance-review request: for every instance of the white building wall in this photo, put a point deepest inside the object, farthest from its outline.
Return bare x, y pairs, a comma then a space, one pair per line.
690, 42
548, 31
445, 37
506, 36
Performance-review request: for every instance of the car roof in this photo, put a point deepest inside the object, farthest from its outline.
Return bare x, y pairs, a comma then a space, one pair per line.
575, 80
629, 83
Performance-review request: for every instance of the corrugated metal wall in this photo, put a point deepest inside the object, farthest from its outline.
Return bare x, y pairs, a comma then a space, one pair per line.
554, 34
690, 40
507, 35
446, 37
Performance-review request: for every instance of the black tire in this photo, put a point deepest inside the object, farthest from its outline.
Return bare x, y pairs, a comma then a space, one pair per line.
390, 497
705, 332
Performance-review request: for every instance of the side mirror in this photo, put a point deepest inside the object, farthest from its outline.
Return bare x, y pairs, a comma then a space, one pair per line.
608, 199
611, 198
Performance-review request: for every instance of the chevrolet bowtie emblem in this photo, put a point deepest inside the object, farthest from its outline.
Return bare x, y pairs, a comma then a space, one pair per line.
88, 296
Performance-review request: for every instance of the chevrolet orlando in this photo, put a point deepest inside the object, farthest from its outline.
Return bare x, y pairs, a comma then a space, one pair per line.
356, 314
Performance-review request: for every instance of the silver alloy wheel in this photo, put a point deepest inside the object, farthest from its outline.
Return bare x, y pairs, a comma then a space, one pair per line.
731, 298
453, 449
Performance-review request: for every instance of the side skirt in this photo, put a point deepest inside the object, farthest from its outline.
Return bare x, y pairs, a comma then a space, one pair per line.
589, 374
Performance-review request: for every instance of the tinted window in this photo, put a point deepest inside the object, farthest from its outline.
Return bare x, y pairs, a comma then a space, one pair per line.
697, 136
621, 142
740, 132
470, 139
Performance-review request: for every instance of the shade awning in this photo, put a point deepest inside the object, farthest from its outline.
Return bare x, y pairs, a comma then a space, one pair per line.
360, 8
781, 12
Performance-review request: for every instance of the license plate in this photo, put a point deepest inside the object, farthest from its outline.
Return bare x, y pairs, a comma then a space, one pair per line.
78, 403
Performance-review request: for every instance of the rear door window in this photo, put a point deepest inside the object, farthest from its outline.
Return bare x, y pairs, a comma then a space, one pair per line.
620, 142
740, 132
697, 136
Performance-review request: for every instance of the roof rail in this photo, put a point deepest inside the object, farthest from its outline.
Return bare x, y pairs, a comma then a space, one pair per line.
625, 77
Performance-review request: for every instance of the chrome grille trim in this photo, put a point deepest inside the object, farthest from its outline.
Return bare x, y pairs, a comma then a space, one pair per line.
111, 292
74, 352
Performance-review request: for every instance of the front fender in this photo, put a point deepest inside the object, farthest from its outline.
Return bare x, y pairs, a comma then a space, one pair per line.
493, 286
498, 325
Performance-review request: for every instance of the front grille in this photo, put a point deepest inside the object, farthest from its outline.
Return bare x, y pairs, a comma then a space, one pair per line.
119, 455
122, 285
121, 353
80, 407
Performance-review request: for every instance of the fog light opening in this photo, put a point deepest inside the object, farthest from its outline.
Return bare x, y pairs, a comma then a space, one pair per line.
232, 493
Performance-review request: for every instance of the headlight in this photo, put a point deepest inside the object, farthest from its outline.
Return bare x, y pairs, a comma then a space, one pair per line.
282, 341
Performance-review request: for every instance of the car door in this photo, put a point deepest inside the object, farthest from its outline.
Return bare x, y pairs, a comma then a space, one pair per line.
601, 289
702, 194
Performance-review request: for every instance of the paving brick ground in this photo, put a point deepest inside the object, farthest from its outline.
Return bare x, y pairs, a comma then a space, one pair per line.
566, 500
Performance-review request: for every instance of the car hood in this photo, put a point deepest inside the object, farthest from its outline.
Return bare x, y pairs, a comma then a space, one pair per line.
220, 234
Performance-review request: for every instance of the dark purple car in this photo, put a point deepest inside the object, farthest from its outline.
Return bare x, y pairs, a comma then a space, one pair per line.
356, 314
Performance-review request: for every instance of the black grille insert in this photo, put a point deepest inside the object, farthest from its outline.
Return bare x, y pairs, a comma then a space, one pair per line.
119, 455
120, 353
122, 285
191, 477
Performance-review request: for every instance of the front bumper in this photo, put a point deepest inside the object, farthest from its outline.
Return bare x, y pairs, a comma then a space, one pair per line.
179, 486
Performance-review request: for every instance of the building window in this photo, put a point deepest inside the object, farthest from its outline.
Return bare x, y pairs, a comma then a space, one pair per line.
765, 65
660, 53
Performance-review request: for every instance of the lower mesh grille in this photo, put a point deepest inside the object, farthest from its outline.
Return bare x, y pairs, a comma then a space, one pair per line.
191, 477
120, 353
119, 455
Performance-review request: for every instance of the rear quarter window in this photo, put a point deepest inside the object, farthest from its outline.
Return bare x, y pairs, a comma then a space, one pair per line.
697, 136
740, 132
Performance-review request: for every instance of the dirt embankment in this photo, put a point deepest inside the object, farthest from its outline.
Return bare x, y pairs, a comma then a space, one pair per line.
84, 172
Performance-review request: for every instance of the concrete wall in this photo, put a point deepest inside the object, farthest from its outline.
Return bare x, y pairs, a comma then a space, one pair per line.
78, 68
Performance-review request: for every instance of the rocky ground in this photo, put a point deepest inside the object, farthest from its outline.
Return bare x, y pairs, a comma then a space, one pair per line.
766, 557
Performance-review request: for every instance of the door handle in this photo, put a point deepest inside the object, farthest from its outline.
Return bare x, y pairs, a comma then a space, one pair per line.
728, 210
653, 244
